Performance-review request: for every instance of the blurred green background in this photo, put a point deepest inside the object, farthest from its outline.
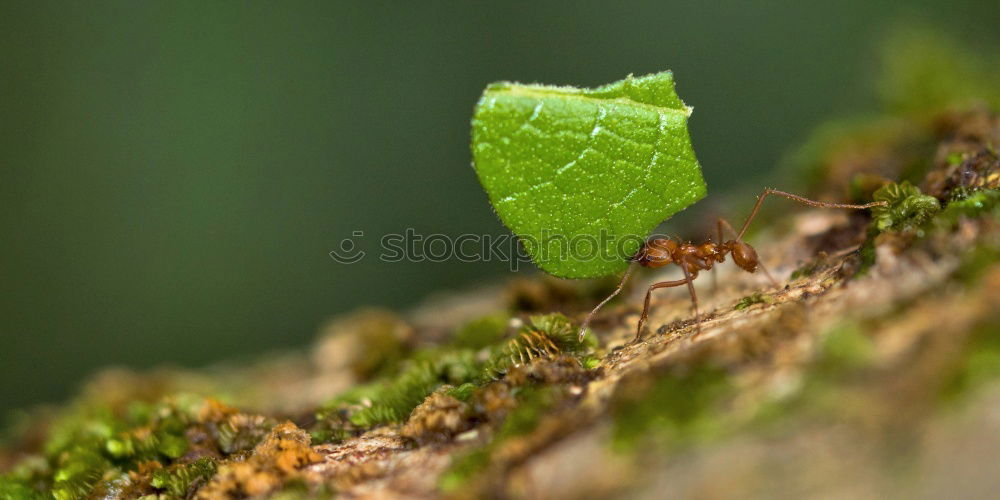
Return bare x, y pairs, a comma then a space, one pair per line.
174, 174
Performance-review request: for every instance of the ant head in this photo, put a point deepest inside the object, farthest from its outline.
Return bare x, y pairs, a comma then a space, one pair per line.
744, 255
656, 253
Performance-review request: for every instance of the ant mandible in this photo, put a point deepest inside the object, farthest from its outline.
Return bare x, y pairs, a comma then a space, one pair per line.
693, 258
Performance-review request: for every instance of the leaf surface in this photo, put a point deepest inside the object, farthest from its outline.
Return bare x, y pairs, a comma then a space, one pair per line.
582, 176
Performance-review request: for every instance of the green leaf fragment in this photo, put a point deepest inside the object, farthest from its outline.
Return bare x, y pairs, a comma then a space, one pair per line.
582, 176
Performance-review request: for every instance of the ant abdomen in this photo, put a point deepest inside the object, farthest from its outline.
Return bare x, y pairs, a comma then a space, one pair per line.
744, 256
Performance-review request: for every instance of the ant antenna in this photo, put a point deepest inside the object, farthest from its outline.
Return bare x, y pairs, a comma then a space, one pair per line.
621, 285
805, 201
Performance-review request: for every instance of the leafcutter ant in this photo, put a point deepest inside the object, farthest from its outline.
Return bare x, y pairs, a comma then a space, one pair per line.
692, 258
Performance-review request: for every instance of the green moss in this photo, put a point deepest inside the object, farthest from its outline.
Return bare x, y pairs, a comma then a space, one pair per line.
911, 210
435, 368
679, 407
975, 204
93, 450
391, 400
463, 469
18, 482
867, 254
324, 432
235, 435
828, 380
178, 479
908, 208
749, 300
543, 336
689, 405
463, 392
92, 443
561, 332
396, 399
590, 362
954, 159
79, 470
804, 271
16, 490
532, 404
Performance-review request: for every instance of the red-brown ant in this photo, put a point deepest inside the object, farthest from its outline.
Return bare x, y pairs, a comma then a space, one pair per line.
693, 258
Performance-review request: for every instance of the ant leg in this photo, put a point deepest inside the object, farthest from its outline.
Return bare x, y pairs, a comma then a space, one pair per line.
720, 225
621, 285
723, 223
800, 199
769, 277
649, 294
694, 297
715, 273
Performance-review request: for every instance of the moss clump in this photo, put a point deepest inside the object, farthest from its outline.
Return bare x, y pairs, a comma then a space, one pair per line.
974, 205
16, 490
438, 418
755, 298
178, 479
530, 405
463, 392
908, 208
144, 448
94, 443
394, 400
274, 461
971, 166
545, 336
804, 271
465, 364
